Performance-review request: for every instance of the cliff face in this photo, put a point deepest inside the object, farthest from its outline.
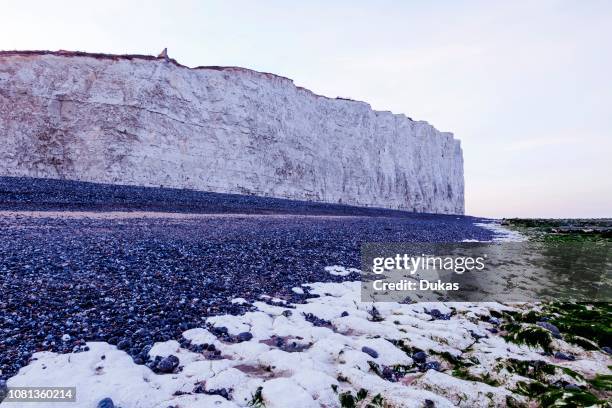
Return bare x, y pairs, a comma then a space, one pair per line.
145, 121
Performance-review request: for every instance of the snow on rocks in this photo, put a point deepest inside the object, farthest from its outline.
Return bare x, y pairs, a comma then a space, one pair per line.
400, 355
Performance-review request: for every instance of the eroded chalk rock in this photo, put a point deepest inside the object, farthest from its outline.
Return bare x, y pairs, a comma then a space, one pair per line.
149, 121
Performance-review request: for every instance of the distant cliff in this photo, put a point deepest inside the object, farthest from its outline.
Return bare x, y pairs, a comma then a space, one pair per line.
140, 120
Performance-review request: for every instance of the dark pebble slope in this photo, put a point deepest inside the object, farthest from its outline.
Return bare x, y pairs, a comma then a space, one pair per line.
132, 282
17, 193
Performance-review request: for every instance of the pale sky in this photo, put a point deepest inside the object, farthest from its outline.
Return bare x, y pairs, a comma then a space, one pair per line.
525, 85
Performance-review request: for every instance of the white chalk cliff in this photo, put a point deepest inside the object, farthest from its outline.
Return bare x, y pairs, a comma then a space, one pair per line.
148, 121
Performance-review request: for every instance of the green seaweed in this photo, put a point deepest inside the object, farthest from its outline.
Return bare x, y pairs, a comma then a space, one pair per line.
587, 325
528, 334
575, 237
580, 323
582, 342
534, 369
486, 378
581, 320
348, 400
495, 313
404, 346
512, 402
530, 389
569, 398
523, 317
376, 368
552, 396
361, 394
572, 373
403, 369
257, 399
563, 230
342, 378
601, 382
457, 362
376, 402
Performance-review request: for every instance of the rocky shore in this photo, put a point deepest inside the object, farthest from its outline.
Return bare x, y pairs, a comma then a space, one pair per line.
120, 272
147, 297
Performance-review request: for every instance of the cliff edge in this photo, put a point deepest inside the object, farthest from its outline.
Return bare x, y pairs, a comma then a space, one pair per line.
141, 120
